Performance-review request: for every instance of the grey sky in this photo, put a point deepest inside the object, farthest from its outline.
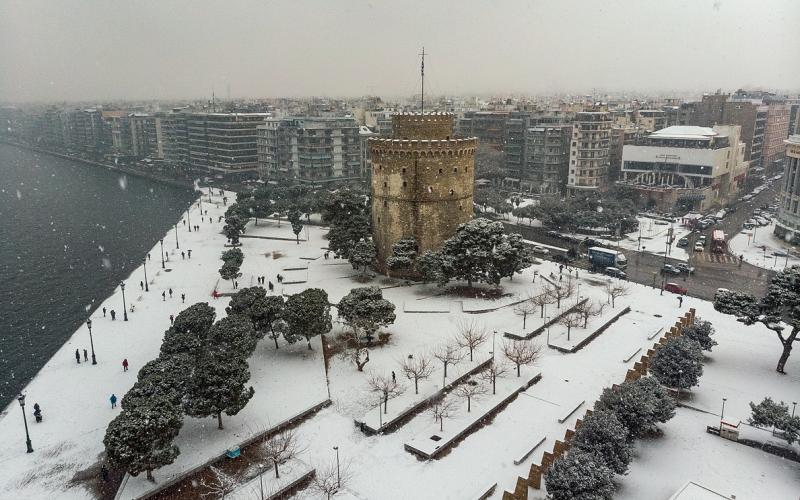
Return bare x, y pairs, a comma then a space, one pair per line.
104, 49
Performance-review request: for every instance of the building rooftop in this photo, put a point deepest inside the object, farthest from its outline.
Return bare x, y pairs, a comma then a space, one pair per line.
684, 132
793, 139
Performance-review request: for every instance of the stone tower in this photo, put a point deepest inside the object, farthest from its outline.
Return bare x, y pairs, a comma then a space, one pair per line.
422, 182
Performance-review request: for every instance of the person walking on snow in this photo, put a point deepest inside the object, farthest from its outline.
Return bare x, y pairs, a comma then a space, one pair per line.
85, 355
183, 298
77, 356
170, 293
104, 312
171, 319
125, 364
183, 255
680, 300
163, 296
113, 400
113, 315
189, 253
37, 413
141, 285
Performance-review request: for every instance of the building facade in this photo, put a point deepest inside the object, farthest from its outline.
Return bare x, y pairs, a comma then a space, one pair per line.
589, 152
422, 182
686, 166
223, 143
547, 161
310, 149
788, 225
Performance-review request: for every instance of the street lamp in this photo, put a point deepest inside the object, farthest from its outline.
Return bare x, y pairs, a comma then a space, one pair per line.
189, 217
177, 245
21, 399
146, 286
338, 473
91, 342
124, 310
794, 407
547, 322
162, 253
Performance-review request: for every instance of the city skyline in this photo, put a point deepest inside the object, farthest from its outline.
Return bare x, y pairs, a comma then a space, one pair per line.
114, 50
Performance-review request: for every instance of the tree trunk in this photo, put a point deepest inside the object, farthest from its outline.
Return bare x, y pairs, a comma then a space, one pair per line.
542, 308
150, 475
416, 385
441, 424
524, 320
298, 238
445, 370
787, 350
385, 404
276, 342
470, 352
518, 365
276, 469
308, 339
494, 384
469, 406
219, 420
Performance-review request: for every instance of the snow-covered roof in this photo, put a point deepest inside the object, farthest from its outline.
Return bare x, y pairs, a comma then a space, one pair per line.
793, 139
684, 132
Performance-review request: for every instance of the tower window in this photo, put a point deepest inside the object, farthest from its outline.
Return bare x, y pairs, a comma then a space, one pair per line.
403, 170
430, 189
385, 184
455, 170
385, 203
441, 171
452, 192
405, 183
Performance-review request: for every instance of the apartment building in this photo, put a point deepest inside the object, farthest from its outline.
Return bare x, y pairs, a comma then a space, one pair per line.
788, 225
589, 152
223, 143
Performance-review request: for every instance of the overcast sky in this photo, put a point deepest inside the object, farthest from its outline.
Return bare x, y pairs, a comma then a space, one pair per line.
106, 49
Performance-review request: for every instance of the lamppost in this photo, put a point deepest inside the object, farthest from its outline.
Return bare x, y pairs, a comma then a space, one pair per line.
261, 479
146, 286
189, 217
547, 322
21, 399
177, 245
162, 253
124, 309
494, 333
338, 474
91, 342
794, 407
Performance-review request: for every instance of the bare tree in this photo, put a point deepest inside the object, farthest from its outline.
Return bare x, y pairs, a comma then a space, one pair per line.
544, 298
350, 349
562, 291
588, 309
572, 319
471, 335
448, 354
470, 390
616, 290
281, 448
524, 308
386, 386
442, 409
331, 477
417, 368
219, 484
521, 352
496, 370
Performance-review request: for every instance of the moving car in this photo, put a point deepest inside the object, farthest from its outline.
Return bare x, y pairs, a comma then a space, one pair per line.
685, 268
670, 269
675, 288
616, 273
540, 250
683, 242
698, 247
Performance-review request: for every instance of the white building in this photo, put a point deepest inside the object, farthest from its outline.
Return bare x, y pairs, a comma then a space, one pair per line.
687, 166
589, 152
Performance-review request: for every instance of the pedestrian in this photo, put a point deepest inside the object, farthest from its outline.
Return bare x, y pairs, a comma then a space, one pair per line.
125, 364
271, 286
183, 255
141, 285
113, 400
560, 268
189, 252
148, 256
163, 296
560, 277
171, 319
85, 355
170, 293
202, 219
104, 473
680, 300
113, 315
394, 377
184, 222
37, 412
183, 298
77, 356
219, 219
104, 312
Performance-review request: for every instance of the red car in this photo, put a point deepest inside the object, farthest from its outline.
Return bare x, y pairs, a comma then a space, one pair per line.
675, 288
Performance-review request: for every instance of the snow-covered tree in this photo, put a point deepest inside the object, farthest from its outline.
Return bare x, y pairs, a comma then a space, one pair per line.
778, 310
470, 390
232, 336
365, 310
521, 352
346, 233
386, 386
602, 433
496, 370
448, 355
417, 368
616, 290
404, 254
678, 363
429, 266
217, 385
579, 475
363, 255
638, 405
261, 309
189, 330
234, 256
233, 228
663, 402
701, 332
297, 224
470, 335
768, 413
281, 448
163, 377
526, 308
307, 314
140, 438
349, 347
562, 291
443, 408
571, 319
229, 272
544, 298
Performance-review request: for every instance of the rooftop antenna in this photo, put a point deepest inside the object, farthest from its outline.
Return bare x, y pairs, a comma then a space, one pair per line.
422, 73
213, 102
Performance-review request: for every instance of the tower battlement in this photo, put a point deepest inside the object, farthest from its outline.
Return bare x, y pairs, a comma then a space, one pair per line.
423, 125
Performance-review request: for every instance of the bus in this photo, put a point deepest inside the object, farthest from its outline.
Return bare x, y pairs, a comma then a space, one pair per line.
718, 244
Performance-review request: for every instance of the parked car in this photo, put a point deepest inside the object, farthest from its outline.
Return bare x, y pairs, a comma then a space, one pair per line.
701, 239
540, 250
675, 288
683, 242
747, 225
561, 258
698, 247
616, 273
670, 269
685, 268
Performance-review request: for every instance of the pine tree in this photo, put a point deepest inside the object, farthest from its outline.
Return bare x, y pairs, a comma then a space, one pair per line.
256, 305
678, 363
140, 438
189, 329
363, 255
345, 233
307, 315
217, 385
768, 413
634, 407
233, 228
404, 254
663, 402
297, 225
233, 336
163, 377
701, 332
429, 266
365, 310
602, 433
579, 475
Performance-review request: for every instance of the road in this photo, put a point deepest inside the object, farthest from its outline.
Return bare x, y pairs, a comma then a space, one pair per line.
712, 271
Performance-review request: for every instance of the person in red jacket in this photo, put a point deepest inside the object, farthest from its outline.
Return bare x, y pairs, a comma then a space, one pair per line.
125, 364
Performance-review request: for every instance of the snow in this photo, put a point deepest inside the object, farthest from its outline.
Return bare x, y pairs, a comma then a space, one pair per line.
74, 398
751, 242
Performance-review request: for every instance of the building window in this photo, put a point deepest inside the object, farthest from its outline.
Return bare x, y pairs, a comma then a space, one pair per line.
403, 170
385, 184
385, 203
430, 189
441, 171
452, 192
405, 183
455, 170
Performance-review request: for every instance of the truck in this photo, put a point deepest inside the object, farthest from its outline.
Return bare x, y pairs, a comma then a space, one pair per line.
718, 244
601, 258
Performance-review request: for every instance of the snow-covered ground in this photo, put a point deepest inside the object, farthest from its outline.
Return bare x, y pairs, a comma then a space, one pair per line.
74, 397
751, 242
